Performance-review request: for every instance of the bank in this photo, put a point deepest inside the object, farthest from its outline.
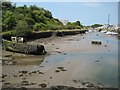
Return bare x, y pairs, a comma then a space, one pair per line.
45, 34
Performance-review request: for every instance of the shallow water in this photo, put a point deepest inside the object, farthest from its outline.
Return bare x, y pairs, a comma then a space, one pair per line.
94, 66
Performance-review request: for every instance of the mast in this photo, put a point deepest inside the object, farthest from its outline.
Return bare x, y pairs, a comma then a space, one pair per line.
108, 20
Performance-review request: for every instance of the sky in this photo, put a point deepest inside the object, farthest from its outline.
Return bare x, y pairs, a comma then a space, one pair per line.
87, 13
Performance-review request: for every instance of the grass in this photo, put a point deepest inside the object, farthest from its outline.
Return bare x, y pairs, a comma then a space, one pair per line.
6, 43
8, 32
11, 32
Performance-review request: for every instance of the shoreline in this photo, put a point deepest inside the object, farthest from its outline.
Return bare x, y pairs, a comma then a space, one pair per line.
46, 34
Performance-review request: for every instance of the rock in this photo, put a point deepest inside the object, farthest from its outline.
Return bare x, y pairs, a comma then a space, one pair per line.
43, 85
23, 78
29, 73
23, 88
58, 52
34, 72
50, 77
105, 46
75, 81
15, 75
24, 72
97, 61
8, 55
40, 72
3, 80
57, 70
60, 68
3, 76
24, 82
20, 75
7, 83
83, 83
64, 53
90, 85
63, 70
33, 83
63, 88
57, 48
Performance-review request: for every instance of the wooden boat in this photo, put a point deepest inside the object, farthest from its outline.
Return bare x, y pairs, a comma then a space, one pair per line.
25, 48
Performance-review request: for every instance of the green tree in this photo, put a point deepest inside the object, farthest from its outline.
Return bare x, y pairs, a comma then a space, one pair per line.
30, 22
42, 19
96, 25
39, 26
9, 21
48, 14
77, 23
22, 28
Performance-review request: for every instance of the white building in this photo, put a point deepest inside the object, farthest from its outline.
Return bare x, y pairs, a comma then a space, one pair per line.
64, 22
110, 27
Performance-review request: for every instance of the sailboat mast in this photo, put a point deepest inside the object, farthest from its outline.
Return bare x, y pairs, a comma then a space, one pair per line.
108, 22
108, 19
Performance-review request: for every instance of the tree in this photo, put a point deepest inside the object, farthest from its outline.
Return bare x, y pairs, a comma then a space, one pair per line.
9, 21
30, 22
48, 14
22, 29
77, 23
34, 7
7, 5
69, 23
96, 25
39, 26
42, 19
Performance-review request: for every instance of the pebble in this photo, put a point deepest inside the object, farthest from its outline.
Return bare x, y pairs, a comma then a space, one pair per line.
50, 77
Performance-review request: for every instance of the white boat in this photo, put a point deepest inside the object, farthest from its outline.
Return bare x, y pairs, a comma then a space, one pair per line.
111, 33
90, 31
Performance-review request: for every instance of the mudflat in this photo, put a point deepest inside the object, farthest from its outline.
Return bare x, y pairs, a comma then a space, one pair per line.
70, 61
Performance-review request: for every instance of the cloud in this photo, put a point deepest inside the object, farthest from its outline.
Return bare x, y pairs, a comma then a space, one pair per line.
91, 4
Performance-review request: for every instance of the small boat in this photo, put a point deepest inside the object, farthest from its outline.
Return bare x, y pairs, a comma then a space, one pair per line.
24, 48
111, 33
96, 42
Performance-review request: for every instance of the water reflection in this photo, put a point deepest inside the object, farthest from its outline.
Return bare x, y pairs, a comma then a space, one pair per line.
29, 60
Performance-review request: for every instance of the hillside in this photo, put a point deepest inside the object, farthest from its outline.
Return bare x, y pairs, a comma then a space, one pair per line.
23, 20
